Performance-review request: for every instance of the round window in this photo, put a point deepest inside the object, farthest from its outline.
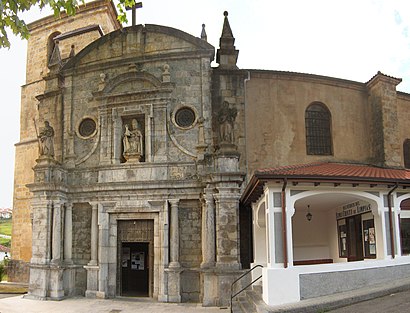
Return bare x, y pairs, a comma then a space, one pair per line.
87, 127
185, 117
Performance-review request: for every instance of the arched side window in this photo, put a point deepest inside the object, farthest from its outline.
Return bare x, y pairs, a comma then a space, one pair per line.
51, 46
406, 153
318, 130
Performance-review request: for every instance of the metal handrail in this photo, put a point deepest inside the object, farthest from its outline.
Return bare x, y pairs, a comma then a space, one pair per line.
239, 278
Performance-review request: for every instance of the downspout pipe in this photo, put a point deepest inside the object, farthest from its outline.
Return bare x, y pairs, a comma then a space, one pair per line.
389, 204
284, 230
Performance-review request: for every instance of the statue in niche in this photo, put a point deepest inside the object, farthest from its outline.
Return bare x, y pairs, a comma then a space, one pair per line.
46, 140
133, 142
226, 118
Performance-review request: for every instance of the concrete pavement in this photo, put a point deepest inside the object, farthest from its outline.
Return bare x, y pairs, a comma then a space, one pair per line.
18, 304
386, 298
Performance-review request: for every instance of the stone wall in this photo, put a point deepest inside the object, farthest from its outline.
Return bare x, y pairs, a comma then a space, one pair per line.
81, 233
18, 271
190, 249
190, 233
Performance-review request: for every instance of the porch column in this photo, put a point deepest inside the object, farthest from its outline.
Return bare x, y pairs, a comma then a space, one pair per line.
174, 234
208, 229
68, 233
94, 235
56, 244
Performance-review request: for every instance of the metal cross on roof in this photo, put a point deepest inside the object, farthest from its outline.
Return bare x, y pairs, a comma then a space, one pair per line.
134, 8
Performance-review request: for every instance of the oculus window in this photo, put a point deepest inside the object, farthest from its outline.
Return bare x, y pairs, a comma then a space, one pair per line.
318, 130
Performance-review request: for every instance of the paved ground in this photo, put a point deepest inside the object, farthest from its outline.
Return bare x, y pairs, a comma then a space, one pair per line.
17, 304
394, 303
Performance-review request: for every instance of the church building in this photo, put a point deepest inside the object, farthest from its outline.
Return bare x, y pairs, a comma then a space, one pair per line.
144, 171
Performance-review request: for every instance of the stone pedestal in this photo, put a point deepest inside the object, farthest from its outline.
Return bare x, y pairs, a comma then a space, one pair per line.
92, 281
38, 286
56, 286
174, 285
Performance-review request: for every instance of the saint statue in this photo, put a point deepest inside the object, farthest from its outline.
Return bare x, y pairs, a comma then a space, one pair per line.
226, 118
46, 140
133, 141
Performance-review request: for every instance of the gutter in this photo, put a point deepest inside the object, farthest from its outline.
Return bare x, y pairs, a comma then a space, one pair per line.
389, 204
284, 230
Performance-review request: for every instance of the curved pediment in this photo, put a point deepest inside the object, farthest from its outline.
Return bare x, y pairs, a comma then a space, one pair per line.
131, 81
140, 42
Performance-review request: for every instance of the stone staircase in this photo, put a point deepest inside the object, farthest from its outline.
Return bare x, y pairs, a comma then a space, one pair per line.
250, 301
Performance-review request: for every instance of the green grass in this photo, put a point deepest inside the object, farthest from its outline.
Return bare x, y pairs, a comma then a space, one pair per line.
5, 242
5, 226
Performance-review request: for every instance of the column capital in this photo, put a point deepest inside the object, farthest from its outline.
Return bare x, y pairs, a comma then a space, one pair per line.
173, 202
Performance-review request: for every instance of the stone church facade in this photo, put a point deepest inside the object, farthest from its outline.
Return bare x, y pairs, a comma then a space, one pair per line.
136, 158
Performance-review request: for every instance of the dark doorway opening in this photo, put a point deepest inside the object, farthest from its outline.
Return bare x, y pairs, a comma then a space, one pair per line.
354, 238
135, 269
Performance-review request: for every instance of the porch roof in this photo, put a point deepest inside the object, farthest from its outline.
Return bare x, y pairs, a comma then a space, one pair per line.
325, 172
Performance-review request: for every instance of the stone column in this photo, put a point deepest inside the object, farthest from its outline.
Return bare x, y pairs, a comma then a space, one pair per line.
56, 243
94, 235
68, 233
208, 229
174, 269
92, 266
174, 234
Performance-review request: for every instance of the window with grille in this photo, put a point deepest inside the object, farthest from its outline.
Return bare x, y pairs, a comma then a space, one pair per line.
406, 153
318, 130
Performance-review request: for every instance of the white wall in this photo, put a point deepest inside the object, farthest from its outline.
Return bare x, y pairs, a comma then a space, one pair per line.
310, 238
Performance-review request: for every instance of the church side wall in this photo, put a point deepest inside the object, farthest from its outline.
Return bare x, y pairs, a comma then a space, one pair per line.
275, 125
403, 104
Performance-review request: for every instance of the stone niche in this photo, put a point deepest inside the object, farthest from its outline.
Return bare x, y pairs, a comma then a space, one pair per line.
133, 139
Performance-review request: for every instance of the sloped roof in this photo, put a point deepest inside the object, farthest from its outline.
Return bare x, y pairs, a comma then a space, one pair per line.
4, 249
332, 170
328, 172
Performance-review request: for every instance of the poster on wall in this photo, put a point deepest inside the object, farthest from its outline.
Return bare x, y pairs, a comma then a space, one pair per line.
137, 261
125, 256
369, 236
342, 241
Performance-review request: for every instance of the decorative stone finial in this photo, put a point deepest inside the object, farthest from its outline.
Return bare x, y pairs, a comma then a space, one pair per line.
166, 76
72, 53
203, 33
225, 13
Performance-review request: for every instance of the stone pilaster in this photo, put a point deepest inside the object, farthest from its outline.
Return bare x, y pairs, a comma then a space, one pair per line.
68, 233
386, 143
227, 227
208, 229
57, 229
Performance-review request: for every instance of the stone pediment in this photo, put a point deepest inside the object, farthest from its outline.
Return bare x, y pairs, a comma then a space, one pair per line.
135, 85
131, 81
140, 42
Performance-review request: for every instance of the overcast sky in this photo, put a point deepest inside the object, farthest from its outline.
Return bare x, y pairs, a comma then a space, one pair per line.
349, 39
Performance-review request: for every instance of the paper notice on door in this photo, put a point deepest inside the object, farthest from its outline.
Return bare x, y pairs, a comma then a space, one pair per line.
137, 261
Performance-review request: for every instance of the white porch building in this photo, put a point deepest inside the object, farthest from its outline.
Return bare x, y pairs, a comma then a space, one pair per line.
324, 228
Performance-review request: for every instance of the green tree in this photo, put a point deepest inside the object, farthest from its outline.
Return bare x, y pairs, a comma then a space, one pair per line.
10, 12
